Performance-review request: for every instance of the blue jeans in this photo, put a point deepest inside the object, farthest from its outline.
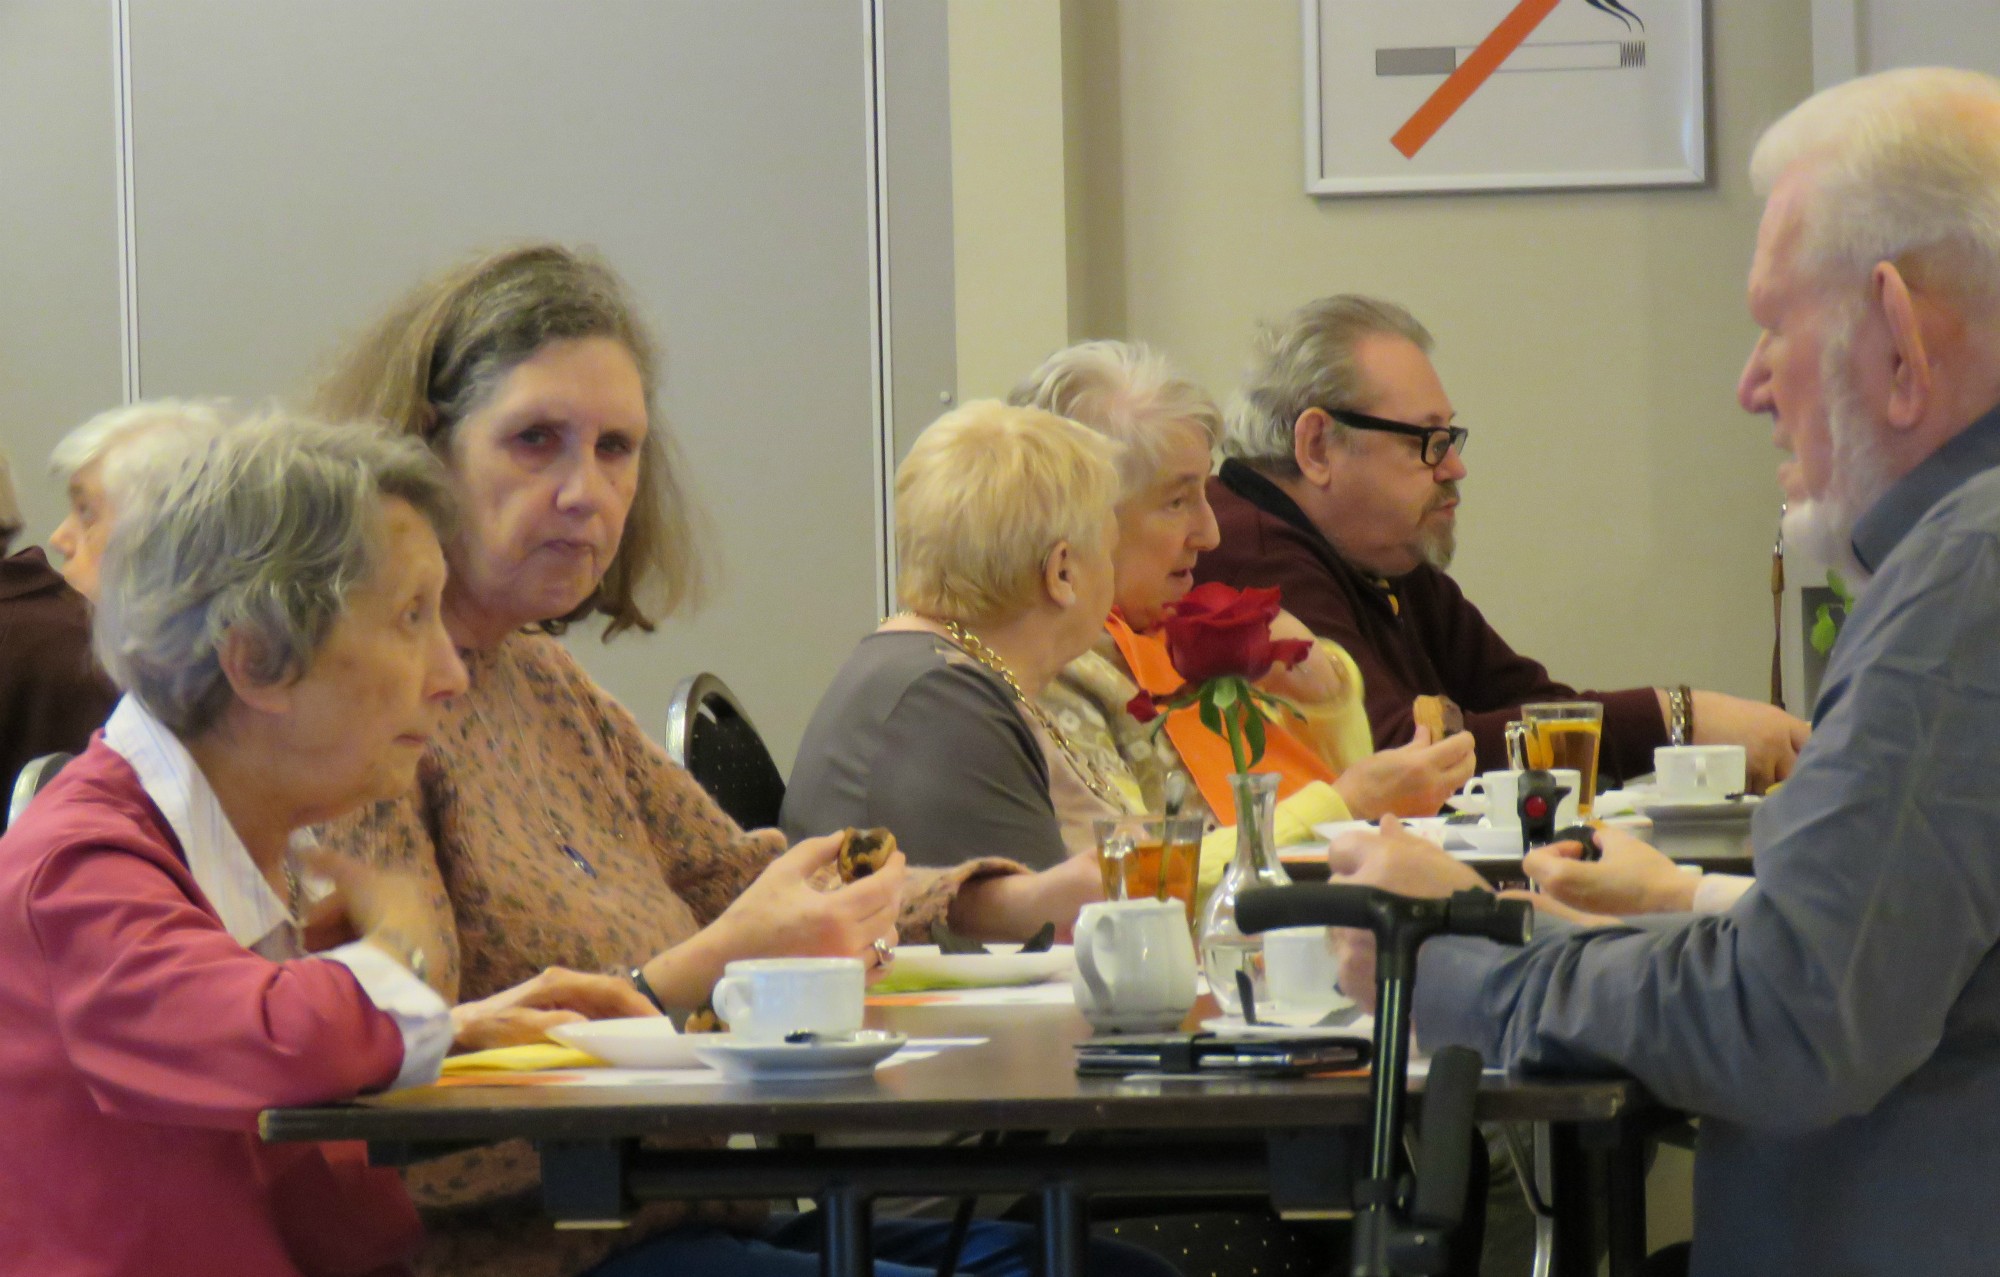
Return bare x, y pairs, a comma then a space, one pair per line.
789, 1247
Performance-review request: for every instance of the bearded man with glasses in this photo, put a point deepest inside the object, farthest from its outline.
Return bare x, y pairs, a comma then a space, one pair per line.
1341, 488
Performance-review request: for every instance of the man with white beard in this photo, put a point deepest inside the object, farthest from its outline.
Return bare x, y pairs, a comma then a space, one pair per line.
1838, 1028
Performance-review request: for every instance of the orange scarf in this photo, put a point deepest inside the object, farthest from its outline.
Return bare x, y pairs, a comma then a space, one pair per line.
1205, 753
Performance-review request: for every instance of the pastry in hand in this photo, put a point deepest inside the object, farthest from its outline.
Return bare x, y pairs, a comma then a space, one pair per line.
1441, 714
704, 1020
863, 851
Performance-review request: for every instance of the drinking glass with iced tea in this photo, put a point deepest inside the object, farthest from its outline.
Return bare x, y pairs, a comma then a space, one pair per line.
1566, 734
1150, 858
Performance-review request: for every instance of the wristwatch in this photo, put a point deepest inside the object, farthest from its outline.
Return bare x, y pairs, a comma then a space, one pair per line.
1680, 716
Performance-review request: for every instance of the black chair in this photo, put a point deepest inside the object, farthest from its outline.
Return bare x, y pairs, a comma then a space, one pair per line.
34, 778
709, 733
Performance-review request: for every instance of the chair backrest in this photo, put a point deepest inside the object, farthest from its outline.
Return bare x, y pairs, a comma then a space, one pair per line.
709, 734
34, 778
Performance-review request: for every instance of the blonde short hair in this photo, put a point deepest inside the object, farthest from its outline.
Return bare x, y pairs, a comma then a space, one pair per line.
984, 495
1125, 391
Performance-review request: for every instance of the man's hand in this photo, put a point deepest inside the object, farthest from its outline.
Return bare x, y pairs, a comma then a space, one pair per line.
1392, 860
1770, 737
526, 1012
1632, 876
1409, 780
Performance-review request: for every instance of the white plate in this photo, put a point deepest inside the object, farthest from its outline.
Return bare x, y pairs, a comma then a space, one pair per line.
648, 1042
1431, 827
1485, 840
1471, 804
1004, 964
743, 1060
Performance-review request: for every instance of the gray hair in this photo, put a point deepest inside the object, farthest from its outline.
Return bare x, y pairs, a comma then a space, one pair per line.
1126, 392
1901, 167
105, 436
263, 527
1309, 363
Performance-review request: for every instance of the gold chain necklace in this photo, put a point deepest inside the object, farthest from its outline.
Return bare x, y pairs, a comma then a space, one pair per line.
1092, 776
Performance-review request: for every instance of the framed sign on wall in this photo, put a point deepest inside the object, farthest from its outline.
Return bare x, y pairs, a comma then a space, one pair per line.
1471, 95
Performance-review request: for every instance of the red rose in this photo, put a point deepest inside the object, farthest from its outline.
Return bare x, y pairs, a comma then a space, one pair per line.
1215, 632
1142, 707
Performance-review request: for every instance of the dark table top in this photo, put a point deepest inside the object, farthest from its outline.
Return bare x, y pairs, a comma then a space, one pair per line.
1021, 1078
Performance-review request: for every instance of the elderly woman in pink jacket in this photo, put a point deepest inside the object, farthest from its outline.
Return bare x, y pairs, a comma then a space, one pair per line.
270, 604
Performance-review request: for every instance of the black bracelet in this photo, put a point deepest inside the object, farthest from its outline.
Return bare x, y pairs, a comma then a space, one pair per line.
638, 977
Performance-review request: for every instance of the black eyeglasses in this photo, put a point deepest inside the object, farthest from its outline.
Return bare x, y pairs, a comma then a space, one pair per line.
1438, 441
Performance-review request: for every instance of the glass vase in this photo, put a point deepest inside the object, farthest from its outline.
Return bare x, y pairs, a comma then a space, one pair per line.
1226, 953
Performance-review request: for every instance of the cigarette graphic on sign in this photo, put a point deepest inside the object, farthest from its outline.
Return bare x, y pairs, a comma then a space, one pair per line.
1569, 55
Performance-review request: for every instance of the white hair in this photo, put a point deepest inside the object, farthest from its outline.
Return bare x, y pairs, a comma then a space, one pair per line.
1903, 167
264, 528
122, 438
1126, 392
1309, 363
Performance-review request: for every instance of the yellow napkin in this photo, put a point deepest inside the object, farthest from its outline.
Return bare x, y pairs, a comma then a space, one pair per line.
531, 1058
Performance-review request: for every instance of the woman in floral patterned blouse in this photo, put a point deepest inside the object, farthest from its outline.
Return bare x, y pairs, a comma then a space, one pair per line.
1168, 427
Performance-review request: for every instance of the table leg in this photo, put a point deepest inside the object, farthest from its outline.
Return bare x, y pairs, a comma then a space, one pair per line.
845, 1249
1625, 1202
1575, 1229
1065, 1230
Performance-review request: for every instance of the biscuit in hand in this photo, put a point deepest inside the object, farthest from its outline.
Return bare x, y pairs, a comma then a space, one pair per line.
1441, 714
863, 851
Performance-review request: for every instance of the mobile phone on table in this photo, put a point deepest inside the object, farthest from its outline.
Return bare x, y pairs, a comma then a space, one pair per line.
1215, 1055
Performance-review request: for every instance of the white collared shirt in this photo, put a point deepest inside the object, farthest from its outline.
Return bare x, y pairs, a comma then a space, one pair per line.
250, 911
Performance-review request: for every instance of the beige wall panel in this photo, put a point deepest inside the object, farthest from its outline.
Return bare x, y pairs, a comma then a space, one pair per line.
1620, 509
60, 359
299, 164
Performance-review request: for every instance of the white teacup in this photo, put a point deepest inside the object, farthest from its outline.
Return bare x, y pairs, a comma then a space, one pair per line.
1503, 796
1301, 971
1699, 773
763, 999
1134, 965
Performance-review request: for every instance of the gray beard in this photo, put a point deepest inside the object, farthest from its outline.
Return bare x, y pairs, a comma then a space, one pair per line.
1824, 527
1437, 548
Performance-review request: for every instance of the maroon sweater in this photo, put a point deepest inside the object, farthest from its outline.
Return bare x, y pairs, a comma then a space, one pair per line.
52, 695
1416, 635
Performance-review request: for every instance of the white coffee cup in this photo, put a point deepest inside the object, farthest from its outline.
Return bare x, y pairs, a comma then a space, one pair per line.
1301, 971
1503, 796
1134, 965
763, 999
1699, 773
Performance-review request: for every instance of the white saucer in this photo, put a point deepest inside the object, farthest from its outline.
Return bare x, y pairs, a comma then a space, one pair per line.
747, 1061
647, 1042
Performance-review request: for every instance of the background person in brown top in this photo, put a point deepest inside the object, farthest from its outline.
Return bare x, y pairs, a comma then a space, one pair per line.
1341, 489
544, 819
